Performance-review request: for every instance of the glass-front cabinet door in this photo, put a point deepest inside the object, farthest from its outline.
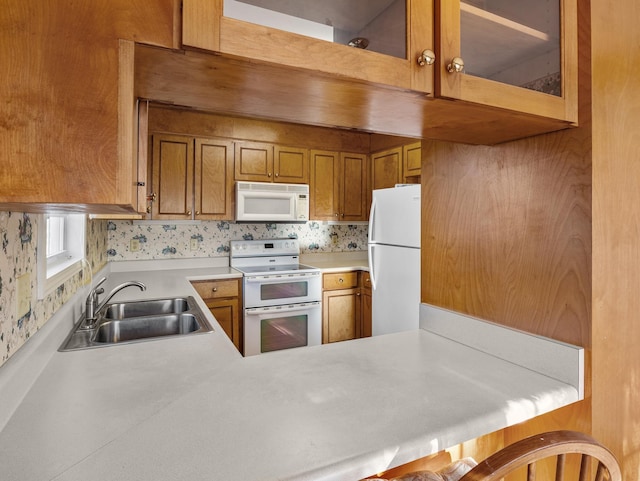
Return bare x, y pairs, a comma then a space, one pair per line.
371, 40
515, 54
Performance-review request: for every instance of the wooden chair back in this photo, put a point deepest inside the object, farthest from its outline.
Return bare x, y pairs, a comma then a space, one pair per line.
595, 461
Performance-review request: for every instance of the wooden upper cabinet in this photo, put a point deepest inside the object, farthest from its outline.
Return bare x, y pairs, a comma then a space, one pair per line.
386, 168
324, 187
353, 187
254, 161
263, 162
69, 133
172, 177
412, 160
290, 165
522, 56
395, 36
338, 186
213, 179
191, 178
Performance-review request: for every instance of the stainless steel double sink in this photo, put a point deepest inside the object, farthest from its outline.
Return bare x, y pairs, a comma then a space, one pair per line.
136, 321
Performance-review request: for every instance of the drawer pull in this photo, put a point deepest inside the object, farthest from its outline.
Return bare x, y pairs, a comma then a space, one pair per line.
215, 289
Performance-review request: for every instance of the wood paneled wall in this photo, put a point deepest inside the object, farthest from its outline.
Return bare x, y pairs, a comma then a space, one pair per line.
507, 237
616, 229
191, 122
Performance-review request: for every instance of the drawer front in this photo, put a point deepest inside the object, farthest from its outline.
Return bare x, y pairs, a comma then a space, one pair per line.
340, 280
217, 289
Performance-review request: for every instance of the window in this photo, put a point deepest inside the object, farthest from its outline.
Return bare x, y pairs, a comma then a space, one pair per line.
61, 240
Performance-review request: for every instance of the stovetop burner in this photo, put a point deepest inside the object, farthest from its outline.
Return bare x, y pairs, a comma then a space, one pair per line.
268, 256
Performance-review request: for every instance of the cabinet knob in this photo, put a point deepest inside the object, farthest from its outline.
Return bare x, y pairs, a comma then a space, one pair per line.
277, 175
427, 57
341, 280
456, 65
215, 289
188, 212
269, 174
197, 212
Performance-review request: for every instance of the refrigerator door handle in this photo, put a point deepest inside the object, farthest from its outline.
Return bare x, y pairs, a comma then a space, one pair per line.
372, 274
372, 217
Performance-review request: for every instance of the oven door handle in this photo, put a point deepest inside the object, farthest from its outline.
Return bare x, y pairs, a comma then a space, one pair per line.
291, 308
276, 278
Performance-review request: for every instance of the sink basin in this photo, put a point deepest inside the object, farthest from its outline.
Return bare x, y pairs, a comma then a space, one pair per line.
123, 310
136, 321
146, 327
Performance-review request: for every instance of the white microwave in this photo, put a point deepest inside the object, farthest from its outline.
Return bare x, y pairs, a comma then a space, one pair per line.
265, 202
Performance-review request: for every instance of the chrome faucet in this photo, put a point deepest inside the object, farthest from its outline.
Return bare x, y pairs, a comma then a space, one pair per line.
92, 307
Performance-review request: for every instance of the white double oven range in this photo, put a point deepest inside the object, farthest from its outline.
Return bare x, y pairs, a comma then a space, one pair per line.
282, 298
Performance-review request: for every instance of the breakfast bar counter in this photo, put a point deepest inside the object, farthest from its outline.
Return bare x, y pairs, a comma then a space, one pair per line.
193, 408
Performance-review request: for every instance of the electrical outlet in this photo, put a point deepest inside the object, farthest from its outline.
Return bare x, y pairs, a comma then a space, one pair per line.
194, 244
334, 239
134, 245
23, 289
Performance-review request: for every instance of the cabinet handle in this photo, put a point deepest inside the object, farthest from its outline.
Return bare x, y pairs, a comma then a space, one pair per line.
215, 289
188, 212
341, 280
197, 212
269, 174
277, 175
456, 65
427, 57
342, 215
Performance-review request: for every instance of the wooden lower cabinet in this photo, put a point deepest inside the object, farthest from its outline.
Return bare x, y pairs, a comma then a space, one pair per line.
346, 308
224, 299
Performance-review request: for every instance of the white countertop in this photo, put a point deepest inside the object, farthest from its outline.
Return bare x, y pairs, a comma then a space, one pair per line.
193, 408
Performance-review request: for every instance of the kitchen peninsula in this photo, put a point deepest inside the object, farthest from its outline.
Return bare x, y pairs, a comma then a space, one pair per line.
194, 408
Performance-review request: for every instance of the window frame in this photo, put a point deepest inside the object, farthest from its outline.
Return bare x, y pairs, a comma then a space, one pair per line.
55, 270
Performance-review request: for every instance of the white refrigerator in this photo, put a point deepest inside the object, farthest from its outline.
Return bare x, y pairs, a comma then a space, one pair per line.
394, 259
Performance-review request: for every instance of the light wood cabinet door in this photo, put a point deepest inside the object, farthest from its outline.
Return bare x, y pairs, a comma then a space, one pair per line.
290, 165
254, 161
412, 160
341, 315
172, 177
213, 196
264, 162
324, 186
223, 297
227, 313
523, 57
353, 187
341, 306
386, 168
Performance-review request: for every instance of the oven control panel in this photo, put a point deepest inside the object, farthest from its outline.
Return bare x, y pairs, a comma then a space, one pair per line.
264, 247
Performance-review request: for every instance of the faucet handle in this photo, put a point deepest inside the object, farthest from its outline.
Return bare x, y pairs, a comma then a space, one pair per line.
100, 282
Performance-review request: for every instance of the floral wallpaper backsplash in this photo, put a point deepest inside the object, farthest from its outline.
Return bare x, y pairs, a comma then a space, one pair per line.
19, 234
107, 241
143, 240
